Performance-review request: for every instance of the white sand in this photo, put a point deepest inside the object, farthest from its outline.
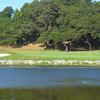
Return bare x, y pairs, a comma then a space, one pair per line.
4, 55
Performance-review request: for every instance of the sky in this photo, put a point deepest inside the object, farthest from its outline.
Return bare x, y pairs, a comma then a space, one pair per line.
15, 4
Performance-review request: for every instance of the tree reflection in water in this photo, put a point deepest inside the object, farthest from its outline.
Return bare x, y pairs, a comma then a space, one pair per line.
71, 93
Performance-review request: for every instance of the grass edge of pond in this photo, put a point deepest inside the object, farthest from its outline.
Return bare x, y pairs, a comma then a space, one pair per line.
49, 66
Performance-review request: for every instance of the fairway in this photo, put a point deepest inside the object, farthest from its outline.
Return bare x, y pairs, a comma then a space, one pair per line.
51, 55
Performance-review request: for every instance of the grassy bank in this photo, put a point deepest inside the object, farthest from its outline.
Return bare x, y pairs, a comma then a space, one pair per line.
50, 58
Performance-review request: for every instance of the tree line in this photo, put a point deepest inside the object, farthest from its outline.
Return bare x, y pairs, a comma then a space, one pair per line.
52, 22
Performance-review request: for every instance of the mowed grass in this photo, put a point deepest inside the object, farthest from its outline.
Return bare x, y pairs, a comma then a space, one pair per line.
51, 55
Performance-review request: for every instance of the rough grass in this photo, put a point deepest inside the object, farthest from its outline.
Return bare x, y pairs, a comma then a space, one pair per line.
50, 55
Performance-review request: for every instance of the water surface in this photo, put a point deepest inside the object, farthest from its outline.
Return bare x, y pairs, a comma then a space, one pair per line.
48, 77
49, 84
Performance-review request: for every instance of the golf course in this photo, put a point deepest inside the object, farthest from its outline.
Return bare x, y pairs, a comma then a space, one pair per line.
49, 49
49, 57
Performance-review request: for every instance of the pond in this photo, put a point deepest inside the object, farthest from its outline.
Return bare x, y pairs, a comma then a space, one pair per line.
49, 83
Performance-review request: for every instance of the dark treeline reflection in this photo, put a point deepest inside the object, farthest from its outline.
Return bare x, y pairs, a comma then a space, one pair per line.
72, 93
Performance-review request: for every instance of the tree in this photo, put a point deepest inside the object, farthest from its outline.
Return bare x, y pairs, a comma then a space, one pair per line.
53, 21
7, 12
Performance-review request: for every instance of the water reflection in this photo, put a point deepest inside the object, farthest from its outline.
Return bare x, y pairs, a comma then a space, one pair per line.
49, 84
72, 93
69, 82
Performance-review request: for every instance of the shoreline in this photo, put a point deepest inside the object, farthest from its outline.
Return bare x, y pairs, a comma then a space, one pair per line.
51, 63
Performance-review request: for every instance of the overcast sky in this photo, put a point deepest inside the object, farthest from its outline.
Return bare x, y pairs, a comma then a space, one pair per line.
15, 3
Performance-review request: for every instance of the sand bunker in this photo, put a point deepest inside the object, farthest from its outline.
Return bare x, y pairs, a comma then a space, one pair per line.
4, 55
